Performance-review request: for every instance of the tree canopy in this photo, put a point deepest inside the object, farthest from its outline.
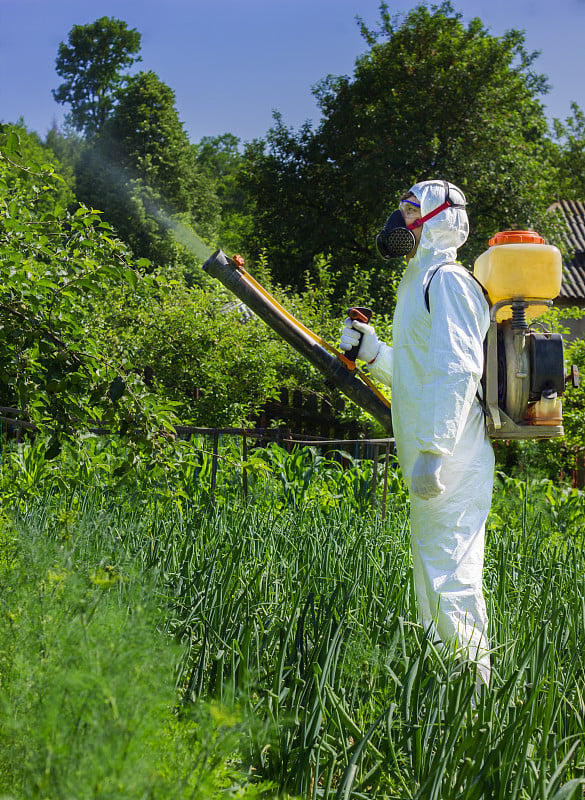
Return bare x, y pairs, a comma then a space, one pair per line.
570, 154
221, 161
431, 98
141, 170
90, 65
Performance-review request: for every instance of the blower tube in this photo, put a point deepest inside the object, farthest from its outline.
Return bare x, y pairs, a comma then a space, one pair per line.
347, 381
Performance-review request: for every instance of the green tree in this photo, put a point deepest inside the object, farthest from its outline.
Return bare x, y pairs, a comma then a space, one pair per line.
220, 157
90, 65
54, 267
141, 171
431, 97
570, 153
221, 161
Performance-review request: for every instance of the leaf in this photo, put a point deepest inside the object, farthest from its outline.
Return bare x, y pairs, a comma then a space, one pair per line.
12, 144
87, 283
117, 387
53, 448
131, 278
569, 789
125, 467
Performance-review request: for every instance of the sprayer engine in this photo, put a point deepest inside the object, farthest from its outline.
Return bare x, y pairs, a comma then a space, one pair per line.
524, 376
524, 371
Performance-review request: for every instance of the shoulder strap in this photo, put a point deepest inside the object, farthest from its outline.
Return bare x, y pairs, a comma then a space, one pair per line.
432, 275
480, 394
428, 286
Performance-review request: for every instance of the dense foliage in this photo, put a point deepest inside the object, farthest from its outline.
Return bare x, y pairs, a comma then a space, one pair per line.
430, 98
220, 160
99, 325
570, 154
55, 264
218, 363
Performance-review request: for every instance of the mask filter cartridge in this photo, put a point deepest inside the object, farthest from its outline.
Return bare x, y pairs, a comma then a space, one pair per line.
395, 239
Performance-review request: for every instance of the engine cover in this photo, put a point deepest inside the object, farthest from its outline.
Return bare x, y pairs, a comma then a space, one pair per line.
524, 376
546, 355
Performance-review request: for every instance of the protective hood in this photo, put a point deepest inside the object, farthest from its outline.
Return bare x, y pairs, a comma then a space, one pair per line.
443, 234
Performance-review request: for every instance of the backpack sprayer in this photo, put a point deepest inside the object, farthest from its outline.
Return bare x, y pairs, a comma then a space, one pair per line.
524, 374
338, 368
524, 371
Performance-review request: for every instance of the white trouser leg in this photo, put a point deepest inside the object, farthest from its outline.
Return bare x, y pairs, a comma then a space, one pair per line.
448, 536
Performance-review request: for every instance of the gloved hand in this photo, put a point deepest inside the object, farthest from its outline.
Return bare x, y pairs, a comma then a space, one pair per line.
350, 336
425, 481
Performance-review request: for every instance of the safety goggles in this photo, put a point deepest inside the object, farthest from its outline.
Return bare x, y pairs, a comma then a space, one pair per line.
447, 203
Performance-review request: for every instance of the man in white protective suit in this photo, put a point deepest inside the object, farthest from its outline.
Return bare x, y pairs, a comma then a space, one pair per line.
435, 367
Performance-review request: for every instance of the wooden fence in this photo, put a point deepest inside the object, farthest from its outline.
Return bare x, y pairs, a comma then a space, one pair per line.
309, 414
373, 450
298, 413
11, 419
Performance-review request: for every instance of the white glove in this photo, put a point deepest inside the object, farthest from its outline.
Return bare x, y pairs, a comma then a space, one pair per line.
425, 481
350, 336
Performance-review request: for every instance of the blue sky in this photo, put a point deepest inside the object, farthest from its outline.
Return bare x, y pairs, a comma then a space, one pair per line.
231, 62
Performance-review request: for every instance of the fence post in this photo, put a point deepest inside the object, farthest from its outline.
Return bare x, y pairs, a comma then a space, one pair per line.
244, 470
375, 474
214, 464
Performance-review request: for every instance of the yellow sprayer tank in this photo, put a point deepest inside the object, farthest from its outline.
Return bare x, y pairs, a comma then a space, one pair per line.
519, 264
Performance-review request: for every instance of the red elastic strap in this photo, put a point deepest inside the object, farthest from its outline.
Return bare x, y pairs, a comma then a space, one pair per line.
418, 222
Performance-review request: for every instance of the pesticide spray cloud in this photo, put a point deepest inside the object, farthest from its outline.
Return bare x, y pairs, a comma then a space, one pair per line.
183, 234
135, 190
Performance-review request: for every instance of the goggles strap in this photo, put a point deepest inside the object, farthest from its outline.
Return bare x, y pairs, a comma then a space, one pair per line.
418, 222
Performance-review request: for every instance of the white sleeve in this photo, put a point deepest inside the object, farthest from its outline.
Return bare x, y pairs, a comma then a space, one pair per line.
459, 323
381, 367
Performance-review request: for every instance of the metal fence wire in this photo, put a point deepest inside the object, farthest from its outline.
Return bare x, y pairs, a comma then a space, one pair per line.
363, 449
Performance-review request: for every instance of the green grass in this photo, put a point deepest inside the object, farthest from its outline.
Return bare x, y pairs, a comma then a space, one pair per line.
312, 620
88, 700
152, 648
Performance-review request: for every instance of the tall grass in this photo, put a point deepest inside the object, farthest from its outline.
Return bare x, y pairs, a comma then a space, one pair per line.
88, 699
312, 620
300, 621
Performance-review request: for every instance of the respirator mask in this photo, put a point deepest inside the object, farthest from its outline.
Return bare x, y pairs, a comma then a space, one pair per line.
396, 239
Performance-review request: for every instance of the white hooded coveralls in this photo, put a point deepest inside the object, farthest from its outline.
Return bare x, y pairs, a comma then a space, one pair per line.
434, 368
